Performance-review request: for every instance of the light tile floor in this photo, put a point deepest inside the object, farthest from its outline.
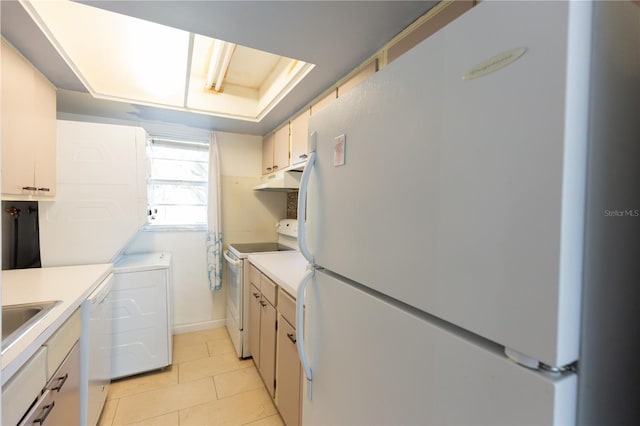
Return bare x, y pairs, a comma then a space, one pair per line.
206, 385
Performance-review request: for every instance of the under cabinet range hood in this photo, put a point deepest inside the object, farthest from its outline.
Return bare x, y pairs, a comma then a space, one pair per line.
281, 181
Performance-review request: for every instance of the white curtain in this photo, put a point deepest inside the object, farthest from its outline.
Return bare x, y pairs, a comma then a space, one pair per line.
214, 234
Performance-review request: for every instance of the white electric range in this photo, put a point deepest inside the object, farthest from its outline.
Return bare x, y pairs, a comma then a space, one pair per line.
238, 280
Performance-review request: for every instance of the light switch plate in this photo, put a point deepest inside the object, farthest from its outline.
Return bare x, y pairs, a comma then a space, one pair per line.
339, 150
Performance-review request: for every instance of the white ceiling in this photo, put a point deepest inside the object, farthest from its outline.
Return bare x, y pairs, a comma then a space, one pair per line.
337, 36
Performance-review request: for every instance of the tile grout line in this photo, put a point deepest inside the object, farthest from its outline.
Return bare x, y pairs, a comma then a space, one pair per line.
211, 352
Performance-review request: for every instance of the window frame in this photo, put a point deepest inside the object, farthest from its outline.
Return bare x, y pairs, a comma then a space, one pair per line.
181, 144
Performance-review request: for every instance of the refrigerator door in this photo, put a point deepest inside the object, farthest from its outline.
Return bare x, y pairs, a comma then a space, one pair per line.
464, 198
375, 363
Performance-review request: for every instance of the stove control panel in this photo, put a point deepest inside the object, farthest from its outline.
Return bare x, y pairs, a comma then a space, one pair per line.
288, 227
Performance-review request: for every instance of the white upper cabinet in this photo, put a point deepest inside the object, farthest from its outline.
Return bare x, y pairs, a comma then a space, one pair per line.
299, 136
275, 150
28, 123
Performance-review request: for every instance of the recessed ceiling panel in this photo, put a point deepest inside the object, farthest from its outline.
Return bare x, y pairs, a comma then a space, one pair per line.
251, 67
118, 56
123, 58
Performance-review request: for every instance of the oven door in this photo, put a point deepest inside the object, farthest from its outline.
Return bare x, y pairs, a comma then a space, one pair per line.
235, 267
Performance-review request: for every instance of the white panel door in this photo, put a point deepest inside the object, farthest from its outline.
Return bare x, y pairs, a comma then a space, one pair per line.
376, 364
464, 198
140, 323
87, 224
96, 154
101, 201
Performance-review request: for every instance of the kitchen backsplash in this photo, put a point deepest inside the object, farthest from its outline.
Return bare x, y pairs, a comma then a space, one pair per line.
292, 205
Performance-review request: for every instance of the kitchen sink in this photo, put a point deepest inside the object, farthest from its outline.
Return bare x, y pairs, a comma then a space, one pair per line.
18, 319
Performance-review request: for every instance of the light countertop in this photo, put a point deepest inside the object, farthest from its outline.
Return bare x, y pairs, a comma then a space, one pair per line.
69, 284
285, 268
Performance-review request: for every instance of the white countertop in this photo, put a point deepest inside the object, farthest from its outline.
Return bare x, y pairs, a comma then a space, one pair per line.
285, 268
69, 284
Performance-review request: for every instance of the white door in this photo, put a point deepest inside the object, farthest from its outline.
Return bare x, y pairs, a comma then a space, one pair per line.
464, 198
140, 340
375, 363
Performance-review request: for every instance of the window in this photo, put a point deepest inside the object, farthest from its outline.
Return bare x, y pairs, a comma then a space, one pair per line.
177, 186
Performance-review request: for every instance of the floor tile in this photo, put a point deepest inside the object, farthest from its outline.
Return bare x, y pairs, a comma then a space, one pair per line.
211, 366
239, 409
201, 336
143, 382
234, 382
189, 352
220, 346
108, 412
268, 421
171, 419
158, 402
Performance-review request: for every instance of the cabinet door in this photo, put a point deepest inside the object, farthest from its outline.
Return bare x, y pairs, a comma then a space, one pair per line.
267, 154
28, 128
44, 137
267, 345
288, 378
65, 388
299, 137
17, 101
281, 148
254, 325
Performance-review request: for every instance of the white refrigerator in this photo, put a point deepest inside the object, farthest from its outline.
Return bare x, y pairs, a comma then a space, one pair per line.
445, 204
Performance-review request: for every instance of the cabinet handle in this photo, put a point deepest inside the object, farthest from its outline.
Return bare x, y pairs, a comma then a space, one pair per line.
61, 381
303, 156
292, 338
275, 167
256, 295
43, 189
29, 188
263, 303
47, 411
269, 169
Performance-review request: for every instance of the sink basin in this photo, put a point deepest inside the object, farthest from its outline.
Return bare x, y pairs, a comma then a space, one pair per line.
18, 319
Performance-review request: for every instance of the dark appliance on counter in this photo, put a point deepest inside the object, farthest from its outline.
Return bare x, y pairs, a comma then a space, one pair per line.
20, 235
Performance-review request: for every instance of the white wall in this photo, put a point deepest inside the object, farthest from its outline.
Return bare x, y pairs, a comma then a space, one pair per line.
247, 215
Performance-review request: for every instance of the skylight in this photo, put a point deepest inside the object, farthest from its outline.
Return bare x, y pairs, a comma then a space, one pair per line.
127, 59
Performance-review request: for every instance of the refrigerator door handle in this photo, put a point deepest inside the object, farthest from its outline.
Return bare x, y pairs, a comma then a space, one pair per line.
302, 199
302, 352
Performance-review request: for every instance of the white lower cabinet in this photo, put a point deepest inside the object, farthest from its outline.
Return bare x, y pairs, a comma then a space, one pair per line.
64, 387
47, 386
273, 345
288, 374
262, 329
25, 386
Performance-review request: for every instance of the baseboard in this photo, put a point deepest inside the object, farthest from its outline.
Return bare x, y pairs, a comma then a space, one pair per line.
188, 328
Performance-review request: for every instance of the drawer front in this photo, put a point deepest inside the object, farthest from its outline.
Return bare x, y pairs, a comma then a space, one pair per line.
254, 276
40, 412
287, 306
20, 391
65, 391
269, 289
59, 345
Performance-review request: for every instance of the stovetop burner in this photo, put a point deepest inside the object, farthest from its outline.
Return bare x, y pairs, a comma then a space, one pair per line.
245, 248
